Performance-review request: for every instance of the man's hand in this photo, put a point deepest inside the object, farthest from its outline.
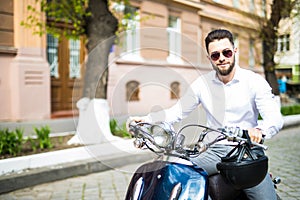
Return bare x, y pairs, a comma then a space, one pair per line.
135, 119
255, 134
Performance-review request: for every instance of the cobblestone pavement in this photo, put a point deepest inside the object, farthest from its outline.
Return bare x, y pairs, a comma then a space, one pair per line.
284, 157
283, 153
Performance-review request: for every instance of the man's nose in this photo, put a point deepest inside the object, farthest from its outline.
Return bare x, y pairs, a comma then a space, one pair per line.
222, 58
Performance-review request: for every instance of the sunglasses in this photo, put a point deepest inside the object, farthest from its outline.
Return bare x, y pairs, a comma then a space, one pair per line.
216, 55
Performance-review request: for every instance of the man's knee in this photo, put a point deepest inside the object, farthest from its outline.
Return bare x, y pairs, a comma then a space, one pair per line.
264, 190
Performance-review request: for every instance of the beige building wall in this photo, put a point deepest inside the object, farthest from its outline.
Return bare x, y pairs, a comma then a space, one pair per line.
24, 86
241, 22
7, 53
155, 73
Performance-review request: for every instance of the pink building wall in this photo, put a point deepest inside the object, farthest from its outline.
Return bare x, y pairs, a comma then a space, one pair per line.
24, 76
155, 81
5, 87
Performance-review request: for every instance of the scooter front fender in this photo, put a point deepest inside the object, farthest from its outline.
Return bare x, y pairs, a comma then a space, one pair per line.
160, 180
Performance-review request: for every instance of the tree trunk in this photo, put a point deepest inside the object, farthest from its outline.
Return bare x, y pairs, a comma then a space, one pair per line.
100, 31
269, 37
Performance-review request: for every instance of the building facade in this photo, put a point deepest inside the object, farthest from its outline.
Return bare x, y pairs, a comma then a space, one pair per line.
24, 70
287, 56
149, 69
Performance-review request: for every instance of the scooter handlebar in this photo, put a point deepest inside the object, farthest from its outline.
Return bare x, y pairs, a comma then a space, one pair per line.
141, 131
237, 134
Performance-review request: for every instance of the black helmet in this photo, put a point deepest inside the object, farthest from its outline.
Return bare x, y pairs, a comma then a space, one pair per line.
244, 167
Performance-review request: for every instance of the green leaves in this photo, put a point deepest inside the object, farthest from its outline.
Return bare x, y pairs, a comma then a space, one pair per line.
291, 110
11, 141
64, 17
69, 17
117, 130
43, 139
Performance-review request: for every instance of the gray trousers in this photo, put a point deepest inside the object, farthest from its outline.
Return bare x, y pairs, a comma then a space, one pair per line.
209, 159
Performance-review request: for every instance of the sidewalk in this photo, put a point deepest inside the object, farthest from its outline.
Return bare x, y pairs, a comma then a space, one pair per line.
31, 170
28, 171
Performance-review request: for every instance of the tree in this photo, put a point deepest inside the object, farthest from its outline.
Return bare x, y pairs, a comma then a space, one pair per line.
92, 18
269, 34
101, 26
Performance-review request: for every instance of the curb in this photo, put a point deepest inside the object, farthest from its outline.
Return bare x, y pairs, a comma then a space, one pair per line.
54, 173
291, 120
27, 171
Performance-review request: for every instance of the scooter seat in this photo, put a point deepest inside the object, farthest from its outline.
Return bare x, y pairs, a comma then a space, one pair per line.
220, 190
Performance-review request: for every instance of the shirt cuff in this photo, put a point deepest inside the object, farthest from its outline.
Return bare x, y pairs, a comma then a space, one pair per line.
268, 132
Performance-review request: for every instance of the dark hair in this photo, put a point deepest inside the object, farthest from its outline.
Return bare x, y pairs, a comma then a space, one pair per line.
218, 35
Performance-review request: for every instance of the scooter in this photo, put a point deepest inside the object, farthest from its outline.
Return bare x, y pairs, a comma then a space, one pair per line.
173, 175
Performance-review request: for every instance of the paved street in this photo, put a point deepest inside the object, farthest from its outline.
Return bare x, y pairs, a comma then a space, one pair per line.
284, 156
111, 185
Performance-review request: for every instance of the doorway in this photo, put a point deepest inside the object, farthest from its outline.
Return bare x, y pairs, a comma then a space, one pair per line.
65, 57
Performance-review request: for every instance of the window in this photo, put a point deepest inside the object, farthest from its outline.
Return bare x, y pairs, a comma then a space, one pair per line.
52, 55
174, 29
132, 91
175, 90
129, 17
283, 43
252, 6
74, 48
132, 42
264, 8
251, 53
236, 3
74, 59
287, 42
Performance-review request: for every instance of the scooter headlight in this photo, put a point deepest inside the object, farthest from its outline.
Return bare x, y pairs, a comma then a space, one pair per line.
161, 136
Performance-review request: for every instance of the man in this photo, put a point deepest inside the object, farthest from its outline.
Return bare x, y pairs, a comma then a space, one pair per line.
231, 96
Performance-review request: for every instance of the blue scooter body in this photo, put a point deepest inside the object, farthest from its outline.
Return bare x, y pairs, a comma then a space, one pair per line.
161, 180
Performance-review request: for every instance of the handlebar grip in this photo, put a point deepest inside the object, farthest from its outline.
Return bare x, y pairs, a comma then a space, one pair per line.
260, 145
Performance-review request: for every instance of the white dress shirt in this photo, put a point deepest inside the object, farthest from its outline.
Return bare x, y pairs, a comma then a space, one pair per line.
235, 104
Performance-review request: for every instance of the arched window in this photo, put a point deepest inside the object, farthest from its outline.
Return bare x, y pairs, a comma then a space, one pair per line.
132, 91
175, 90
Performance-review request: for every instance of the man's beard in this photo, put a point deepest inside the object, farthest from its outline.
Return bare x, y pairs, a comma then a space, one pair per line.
224, 72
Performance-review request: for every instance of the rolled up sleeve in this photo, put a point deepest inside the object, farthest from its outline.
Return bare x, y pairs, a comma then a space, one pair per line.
269, 109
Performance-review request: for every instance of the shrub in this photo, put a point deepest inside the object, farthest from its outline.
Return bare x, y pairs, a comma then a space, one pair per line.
11, 141
117, 130
290, 110
43, 138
